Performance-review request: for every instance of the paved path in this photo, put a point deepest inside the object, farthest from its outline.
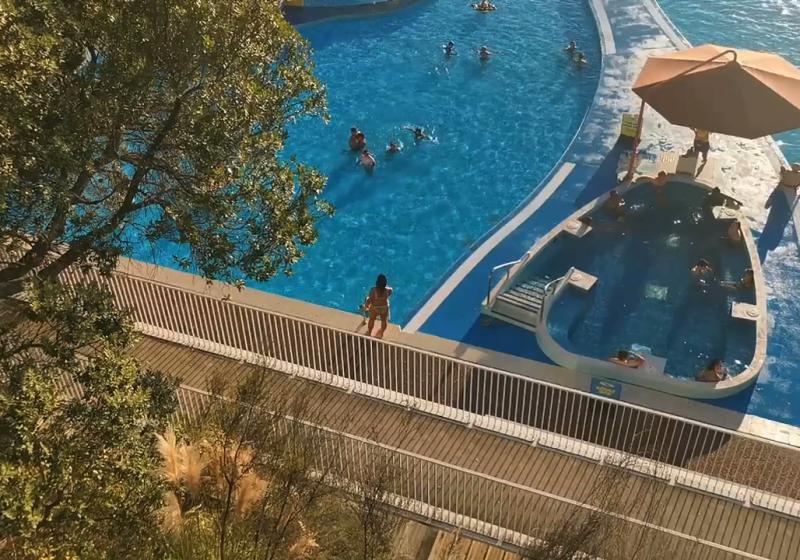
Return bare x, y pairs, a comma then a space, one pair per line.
549, 486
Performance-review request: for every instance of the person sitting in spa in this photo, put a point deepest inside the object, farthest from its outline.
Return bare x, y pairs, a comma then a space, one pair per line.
734, 235
713, 373
484, 6
628, 359
614, 205
702, 272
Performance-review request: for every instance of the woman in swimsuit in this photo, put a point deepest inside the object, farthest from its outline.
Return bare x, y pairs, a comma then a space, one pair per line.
377, 303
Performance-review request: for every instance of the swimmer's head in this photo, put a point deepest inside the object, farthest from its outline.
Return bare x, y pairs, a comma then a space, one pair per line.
450, 44
353, 130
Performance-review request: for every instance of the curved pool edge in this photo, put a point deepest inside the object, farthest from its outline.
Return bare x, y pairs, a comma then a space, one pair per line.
419, 313
664, 383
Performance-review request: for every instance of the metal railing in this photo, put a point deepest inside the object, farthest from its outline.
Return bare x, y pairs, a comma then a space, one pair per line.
507, 267
503, 513
741, 467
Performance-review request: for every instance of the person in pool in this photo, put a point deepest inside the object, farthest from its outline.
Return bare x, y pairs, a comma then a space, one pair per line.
628, 359
614, 205
484, 54
734, 235
357, 140
702, 272
571, 48
746, 282
713, 373
367, 161
580, 59
394, 147
377, 304
449, 49
419, 133
484, 6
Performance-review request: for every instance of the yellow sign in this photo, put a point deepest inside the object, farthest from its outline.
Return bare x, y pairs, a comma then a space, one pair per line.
629, 122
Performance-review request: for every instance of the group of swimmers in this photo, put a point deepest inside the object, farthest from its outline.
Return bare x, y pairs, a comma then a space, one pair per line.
713, 373
484, 54
577, 56
358, 143
703, 274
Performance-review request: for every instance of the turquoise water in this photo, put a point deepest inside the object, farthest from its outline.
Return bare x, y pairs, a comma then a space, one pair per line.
763, 25
499, 127
645, 294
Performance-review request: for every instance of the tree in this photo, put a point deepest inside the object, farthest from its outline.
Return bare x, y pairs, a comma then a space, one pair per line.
153, 121
77, 418
251, 478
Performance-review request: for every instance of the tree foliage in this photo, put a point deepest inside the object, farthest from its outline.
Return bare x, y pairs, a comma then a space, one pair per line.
248, 480
77, 418
130, 122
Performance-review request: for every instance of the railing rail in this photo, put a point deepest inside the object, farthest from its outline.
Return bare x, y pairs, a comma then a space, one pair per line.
709, 458
507, 267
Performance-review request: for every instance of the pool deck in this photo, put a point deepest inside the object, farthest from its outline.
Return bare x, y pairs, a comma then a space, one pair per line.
631, 30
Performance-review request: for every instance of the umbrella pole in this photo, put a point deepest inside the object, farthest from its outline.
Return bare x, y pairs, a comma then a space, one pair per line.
636, 139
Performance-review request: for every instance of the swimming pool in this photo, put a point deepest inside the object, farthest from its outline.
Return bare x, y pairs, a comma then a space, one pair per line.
767, 25
645, 298
500, 128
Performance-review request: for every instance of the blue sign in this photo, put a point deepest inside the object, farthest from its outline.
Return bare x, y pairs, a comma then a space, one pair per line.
606, 388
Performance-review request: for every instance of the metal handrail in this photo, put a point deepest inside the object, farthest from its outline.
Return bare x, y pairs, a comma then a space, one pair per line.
507, 266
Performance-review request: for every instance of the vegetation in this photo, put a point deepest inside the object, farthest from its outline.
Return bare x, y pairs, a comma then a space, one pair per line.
244, 483
77, 475
125, 123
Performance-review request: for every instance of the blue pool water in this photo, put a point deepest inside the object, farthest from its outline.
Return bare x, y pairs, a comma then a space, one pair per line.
763, 25
500, 128
645, 294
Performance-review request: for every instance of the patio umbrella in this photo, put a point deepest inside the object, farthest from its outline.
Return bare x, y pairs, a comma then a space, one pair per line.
730, 91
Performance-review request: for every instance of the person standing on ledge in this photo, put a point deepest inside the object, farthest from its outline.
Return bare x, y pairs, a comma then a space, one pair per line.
377, 303
701, 143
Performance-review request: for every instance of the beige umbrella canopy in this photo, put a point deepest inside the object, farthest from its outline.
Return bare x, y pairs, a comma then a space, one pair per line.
730, 91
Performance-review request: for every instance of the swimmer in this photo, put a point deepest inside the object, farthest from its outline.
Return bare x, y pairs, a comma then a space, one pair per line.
357, 140
748, 279
394, 147
571, 48
713, 373
419, 133
628, 359
449, 49
580, 59
484, 6
746, 282
614, 205
367, 161
702, 272
660, 181
484, 54
734, 236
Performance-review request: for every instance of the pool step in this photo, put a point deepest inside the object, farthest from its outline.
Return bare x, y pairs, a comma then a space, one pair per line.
522, 303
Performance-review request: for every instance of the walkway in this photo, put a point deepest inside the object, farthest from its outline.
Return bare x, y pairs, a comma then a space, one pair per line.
535, 487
